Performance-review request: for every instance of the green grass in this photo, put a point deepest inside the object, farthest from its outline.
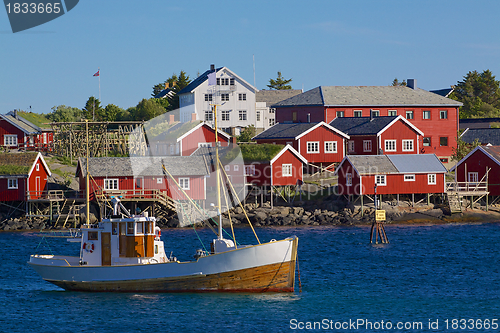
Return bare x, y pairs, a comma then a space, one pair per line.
263, 152
38, 119
14, 170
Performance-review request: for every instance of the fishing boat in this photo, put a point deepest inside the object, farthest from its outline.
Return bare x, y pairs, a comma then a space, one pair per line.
125, 253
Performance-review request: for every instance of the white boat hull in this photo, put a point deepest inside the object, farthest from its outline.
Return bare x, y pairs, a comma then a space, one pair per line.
265, 267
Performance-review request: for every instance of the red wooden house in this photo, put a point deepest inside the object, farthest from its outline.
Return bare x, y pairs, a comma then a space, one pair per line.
435, 115
474, 167
284, 169
23, 176
392, 174
143, 177
379, 135
203, 135
318, 143
17, 132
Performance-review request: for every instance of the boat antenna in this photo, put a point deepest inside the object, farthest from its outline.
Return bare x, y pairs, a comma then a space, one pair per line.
219, 207
87, 183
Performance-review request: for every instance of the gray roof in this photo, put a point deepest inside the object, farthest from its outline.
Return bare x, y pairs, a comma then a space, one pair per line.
144, 166
196, 82
484, 135
271, 97
477, 122
284, 131
420, 163
386, 164
367, 96
361, 125
21, 123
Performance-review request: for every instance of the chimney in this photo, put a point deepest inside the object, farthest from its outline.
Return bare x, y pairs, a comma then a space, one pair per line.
411, 83
171, 118
308, 117
212, 67
193, 116
371, 114
15, 114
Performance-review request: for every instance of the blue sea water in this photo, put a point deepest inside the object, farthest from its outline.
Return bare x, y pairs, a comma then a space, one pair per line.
426, 276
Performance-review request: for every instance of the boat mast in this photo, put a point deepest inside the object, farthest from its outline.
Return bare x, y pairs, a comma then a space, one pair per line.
219, 208
87, 201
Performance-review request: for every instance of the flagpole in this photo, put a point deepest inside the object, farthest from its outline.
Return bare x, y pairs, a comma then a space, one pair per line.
99, 71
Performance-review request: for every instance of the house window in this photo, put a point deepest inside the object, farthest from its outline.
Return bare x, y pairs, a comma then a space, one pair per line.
390, 145
350, 147
227, 167
409, 178
209, 115
204, 144
208, 97
407, 145
348, 179
221, 81
93, 235
358, 113
257, 115
443, 160
224, 97
443, 114
159, 180
272, 110
313, 147
242, 97
10, 140
409, 114
110, 184
184, 183
12, 183
427, 141
286, 170
271, 122
242, 114
443, 141
225, 115
330, 146
431, 179
37, 167
340, 114
236, 167
232, 81
380, 180
426, 115
473, 177
249, 170
375, 113
367, 145
392, 113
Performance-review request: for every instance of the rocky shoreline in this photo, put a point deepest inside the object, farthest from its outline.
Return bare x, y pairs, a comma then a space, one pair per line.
331, 211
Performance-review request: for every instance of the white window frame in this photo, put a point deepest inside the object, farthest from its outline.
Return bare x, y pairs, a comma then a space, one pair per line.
242, 97
350, 146
236, 167
380, 180
184, 183
159, 180
204, 144
286, 170
312, 147
271, 122
426, 115
12, 183
358, 113
375, 113
208, 97
340, 114
408, 145
242, 115
411, 113
473, 177
37, 167
443, 112
431, 179
348, 179
10, 140
409, 178
225, 115
367, 145
224, 97
250, 170
389, 143
227, 167
111, 184
257, 115
392, 113
209, 115
330, 147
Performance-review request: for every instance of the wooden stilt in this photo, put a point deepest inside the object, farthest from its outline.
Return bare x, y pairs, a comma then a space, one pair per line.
362, 209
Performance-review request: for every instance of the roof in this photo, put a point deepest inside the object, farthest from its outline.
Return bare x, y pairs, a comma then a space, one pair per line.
388, 164
492, 151
164, 93
367, 96
284, 131
228, 137
362, 125
204, 77
293, 151
21, 123
477, 122
23, 163
173, 132
442, 92
484, 135
271, 97
143, 166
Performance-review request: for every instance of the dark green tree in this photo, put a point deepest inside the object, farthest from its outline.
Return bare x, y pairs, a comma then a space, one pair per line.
280, 83
247, 134
111, 112
92, 109
147, 109
480, 95
463, 148
63, 113
396, 83
176, 83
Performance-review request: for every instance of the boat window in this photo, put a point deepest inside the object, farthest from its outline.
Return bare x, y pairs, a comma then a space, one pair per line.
149, 227
140, 227
123, 230
130, 228
93, 235
114, 227
156, 249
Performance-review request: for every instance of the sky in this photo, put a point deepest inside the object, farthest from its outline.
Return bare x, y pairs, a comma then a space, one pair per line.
137, 44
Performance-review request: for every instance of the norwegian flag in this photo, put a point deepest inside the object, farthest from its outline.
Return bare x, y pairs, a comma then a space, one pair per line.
97, 73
